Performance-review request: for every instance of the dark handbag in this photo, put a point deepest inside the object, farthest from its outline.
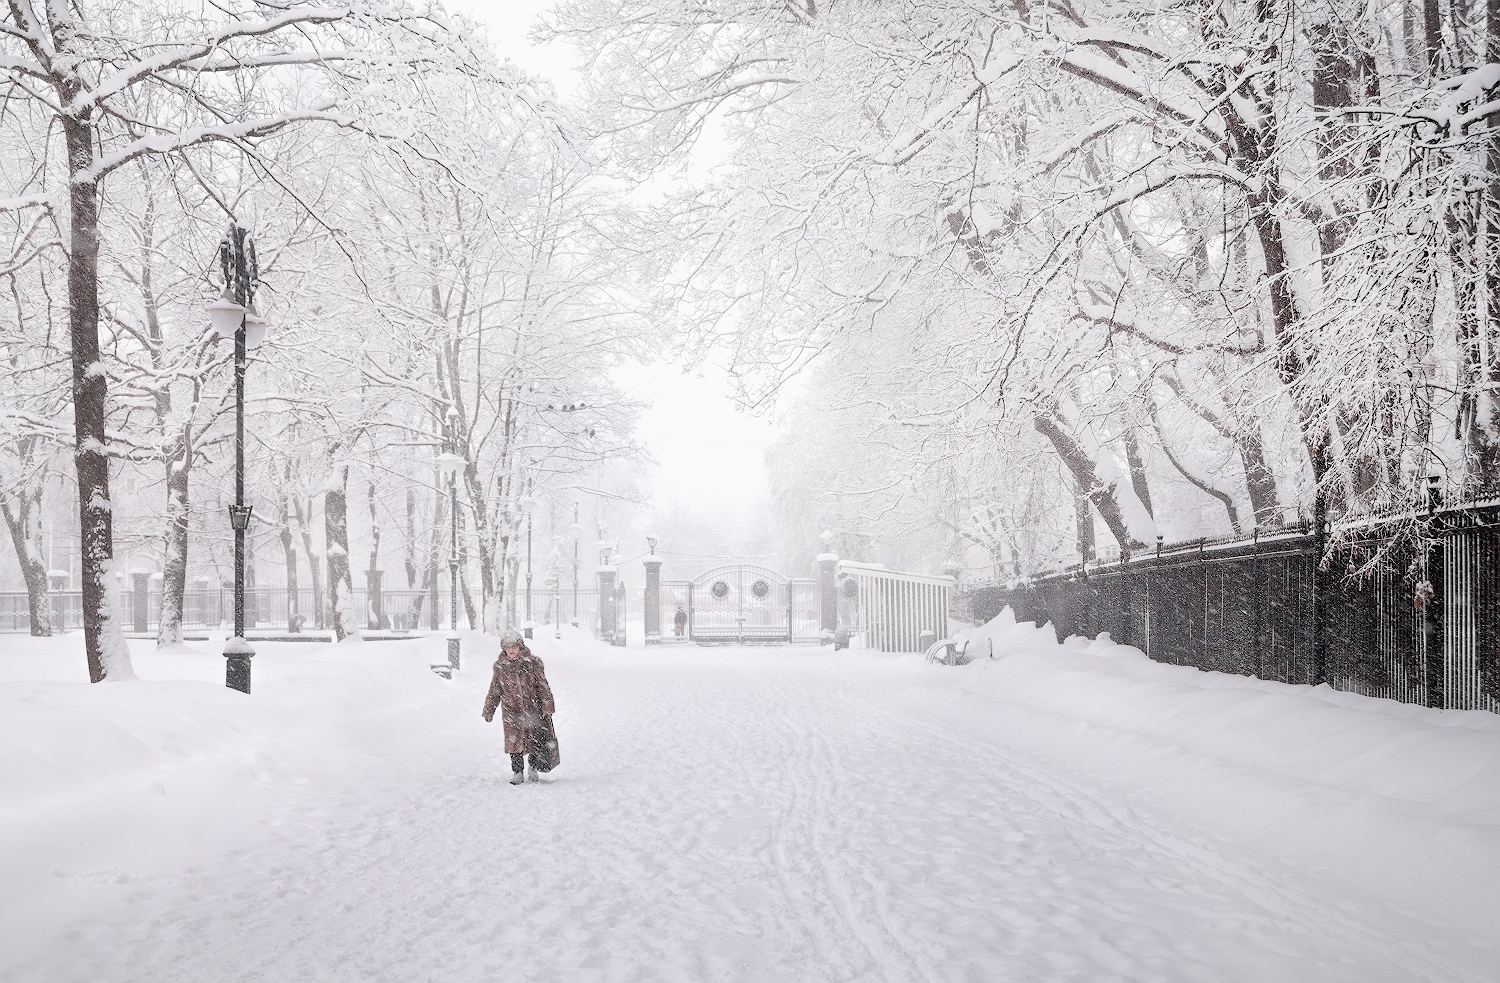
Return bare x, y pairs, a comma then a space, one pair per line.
544, 753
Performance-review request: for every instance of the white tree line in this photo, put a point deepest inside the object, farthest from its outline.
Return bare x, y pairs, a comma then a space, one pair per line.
1063, 271
432, 253
1055, 278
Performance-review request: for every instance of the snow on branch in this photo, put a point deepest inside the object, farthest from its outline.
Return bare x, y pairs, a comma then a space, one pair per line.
26, 201
191, 55
907, 144
1121, 80
195, 136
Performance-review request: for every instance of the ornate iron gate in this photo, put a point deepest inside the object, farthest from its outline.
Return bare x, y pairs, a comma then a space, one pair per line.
740, 603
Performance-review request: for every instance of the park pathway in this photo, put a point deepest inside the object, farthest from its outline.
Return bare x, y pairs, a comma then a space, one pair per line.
729, 814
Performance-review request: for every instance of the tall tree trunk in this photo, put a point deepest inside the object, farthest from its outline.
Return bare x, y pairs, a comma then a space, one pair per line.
103, 635
1464, 257
177, 461
465, 594
376, 606
1137, 467
1432, 33
1083, 518
24, 521
175, 556
435, 554
336, 536
1260, 481
411, 538
1202, 482
1488, 454
289, 559
512, 589
1332, 92
314, 564
1086, 479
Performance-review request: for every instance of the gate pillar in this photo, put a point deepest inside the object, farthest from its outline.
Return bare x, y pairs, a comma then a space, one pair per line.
651, 616
828, 601
607, 619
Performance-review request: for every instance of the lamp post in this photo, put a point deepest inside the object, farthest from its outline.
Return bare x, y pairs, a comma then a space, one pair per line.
450, 463
557, 572
528, 503
651, 612
233, 315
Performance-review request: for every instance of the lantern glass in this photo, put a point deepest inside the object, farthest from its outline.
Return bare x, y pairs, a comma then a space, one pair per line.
255, 327
225, 315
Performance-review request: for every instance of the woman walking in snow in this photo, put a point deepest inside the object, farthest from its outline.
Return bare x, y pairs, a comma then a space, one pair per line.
519, 688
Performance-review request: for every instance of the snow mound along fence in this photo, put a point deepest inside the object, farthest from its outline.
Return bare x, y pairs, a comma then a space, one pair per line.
1391, 614
1398, 801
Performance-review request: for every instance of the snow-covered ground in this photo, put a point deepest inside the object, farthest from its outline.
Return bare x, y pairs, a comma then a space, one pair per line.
1057, 813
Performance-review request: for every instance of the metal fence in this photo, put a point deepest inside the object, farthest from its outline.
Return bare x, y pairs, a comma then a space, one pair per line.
279, 609
1407, 608
739, 603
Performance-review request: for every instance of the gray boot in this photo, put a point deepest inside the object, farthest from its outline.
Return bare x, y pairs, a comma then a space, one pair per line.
517, 778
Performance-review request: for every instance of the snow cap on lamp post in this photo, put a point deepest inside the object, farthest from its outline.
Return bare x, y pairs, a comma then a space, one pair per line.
449, 463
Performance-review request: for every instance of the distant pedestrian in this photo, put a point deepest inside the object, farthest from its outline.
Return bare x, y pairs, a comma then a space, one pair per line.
679, 622
519, 688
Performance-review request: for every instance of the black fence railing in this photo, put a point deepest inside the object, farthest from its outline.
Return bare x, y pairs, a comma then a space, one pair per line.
279, 609
1407, 608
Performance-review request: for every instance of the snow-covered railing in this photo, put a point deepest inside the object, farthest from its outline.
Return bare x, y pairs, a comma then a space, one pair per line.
1407, 608
891, 611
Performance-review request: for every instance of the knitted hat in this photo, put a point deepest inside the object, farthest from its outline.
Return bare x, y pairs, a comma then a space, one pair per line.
511, 637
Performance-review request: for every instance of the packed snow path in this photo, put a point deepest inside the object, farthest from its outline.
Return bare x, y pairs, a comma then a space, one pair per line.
727, 814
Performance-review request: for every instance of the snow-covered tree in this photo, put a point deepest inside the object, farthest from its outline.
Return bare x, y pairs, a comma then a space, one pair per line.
213, 74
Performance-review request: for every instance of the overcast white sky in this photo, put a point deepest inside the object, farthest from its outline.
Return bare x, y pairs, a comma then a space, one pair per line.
707, 451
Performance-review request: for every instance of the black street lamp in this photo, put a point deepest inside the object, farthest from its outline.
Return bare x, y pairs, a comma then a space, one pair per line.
451, 463
557, 572
528, 503
233, 315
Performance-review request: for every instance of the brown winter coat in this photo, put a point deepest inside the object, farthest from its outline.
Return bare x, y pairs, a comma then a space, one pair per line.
519, 688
